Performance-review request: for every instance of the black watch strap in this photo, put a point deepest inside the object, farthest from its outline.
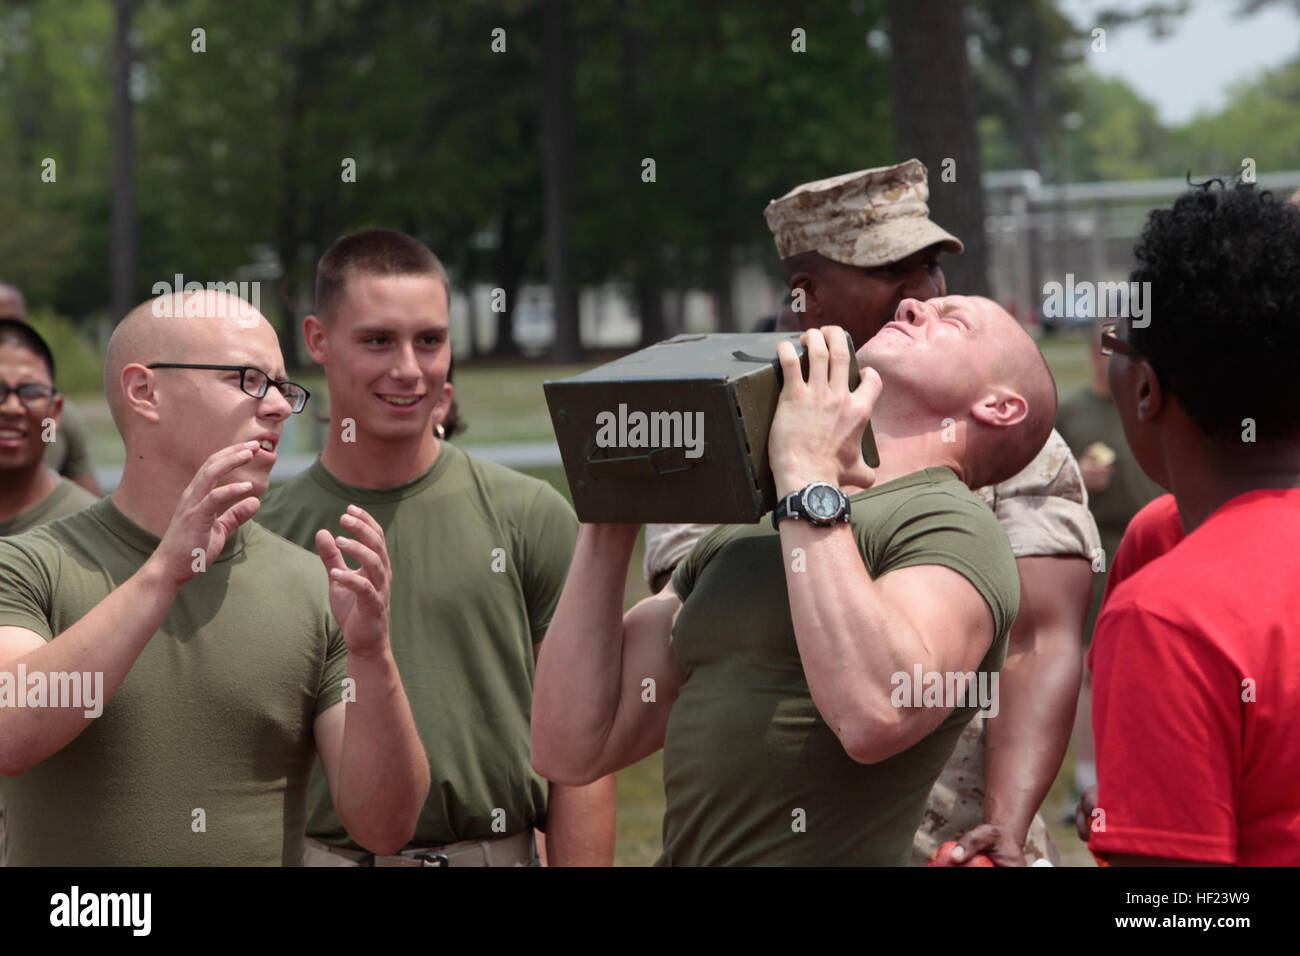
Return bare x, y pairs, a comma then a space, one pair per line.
792, 506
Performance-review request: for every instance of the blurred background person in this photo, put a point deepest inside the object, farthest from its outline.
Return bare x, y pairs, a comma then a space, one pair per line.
31, 492
68, 454
1117, 490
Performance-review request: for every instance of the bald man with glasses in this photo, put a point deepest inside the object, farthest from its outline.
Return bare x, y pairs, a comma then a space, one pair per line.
223, 658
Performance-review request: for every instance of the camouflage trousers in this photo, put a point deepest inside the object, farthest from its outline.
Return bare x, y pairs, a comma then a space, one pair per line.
956, 804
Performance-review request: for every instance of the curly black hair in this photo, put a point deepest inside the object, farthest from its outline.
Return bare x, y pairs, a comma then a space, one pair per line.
1224, 308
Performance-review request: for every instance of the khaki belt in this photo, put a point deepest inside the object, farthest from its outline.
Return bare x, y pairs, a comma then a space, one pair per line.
517, 850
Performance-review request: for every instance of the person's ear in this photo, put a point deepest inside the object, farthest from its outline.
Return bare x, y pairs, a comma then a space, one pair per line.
56, 410
1150, 395
139, 392
1000, 408
317, 339
804, 285
443, 406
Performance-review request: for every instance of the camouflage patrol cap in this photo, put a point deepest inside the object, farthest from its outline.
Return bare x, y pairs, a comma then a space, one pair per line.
869, 218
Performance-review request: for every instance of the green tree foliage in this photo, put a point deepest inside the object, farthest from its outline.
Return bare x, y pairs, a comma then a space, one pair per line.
1261, 120
54, 106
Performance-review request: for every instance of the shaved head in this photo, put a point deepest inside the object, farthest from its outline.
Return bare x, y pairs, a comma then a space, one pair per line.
191, 327
1021, 368
12, 304
965, 359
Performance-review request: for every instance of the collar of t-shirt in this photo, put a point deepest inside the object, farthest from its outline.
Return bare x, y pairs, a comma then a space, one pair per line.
361, 496
146, 542
36, 513
935, 474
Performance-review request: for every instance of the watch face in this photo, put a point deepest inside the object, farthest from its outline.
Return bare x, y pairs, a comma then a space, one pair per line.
822, 501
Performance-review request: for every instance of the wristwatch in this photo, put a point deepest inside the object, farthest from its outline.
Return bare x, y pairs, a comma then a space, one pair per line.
820, 504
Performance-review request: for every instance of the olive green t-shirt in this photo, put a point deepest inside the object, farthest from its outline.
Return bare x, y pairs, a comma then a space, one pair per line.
67, 498
69, 453
752, 773
202, 755
479, 554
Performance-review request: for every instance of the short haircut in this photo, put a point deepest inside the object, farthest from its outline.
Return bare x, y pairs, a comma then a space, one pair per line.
1010, 451
377, 252
14, 332
1223, 332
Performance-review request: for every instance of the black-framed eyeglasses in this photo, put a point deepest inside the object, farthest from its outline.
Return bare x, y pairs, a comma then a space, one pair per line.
253, 381
1111, 343
29, 393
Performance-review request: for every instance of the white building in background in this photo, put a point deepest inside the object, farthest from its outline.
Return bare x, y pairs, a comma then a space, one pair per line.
607, 313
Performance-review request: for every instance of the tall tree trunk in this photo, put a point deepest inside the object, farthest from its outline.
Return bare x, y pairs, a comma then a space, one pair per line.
471, 320
558, 134
722, 279
1028, 86
934, 120
510, 271
124, 225
290, 234
650, 305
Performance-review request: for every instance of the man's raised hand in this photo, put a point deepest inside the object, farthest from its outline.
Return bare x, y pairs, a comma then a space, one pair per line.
359, 599
817, 431
207, 515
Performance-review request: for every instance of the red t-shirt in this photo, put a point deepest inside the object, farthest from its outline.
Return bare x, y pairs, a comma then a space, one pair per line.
1196, 689
1153, 531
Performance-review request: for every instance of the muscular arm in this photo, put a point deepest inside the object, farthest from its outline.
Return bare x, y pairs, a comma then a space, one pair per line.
589, 717
1026, 741
580, 821
855, 633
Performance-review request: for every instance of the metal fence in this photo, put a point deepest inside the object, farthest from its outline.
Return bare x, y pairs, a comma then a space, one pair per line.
1039, 233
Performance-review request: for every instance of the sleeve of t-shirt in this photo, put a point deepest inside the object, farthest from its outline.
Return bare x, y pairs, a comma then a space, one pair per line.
1152, 533
330, 691
548, 535
76, 462
688, 568
26, 589
1044, 508
1166, 717
938, 528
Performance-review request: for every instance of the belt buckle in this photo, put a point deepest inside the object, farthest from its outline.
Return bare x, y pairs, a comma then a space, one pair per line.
431, 858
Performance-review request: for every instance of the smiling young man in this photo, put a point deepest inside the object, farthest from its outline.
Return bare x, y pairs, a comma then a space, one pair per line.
217, 651
67, 454
31, 492
774, 679
479, 554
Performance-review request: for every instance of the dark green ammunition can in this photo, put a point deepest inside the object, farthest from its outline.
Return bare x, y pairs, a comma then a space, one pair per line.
678, 431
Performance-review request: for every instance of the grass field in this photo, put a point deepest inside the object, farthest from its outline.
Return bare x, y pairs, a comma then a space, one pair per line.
505, 404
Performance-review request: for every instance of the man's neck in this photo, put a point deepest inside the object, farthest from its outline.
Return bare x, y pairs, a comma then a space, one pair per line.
22, 491
1205, 475
908, 446
149, 493
369, 462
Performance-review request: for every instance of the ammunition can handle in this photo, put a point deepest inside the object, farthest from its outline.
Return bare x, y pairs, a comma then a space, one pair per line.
659, 461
